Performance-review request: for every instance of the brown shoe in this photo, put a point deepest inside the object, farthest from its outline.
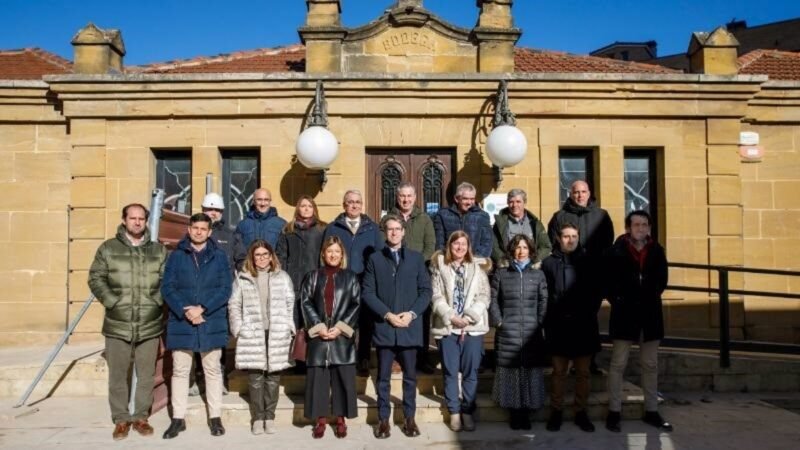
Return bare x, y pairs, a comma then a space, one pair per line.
121, 430
410, 427
142, 427
383, 430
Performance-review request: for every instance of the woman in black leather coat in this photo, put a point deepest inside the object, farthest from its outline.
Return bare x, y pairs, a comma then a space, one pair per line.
330, 304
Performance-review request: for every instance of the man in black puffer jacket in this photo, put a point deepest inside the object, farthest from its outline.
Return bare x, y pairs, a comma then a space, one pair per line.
594, 224
571, 328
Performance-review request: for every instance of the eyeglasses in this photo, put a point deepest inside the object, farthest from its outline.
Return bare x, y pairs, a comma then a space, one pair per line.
261, 255
353, 202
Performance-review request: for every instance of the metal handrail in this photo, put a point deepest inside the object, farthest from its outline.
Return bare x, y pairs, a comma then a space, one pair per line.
724, 291
55, 351
156, 203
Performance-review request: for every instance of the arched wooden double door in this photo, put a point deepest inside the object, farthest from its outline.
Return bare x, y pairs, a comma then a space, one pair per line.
430, 171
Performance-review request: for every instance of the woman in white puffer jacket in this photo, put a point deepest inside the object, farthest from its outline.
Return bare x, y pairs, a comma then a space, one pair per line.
460, 304
261, 313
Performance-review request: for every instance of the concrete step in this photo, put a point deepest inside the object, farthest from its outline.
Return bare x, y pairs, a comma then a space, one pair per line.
430, 408
78, 371
427, 384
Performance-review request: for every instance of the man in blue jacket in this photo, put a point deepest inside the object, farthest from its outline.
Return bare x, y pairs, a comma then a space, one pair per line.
465, 215
361, 237
196, 288
262, 222
397, 290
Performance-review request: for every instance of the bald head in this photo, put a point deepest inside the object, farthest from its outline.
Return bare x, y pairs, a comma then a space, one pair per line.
579, 193
262, 199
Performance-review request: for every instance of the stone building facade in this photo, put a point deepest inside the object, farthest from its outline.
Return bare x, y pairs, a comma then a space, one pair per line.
407, 91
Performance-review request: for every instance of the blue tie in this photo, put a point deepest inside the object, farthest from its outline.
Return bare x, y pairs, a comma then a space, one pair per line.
396, 255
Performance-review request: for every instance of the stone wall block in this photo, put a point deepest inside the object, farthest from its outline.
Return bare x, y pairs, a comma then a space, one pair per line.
88, 161
88, 192
88, 223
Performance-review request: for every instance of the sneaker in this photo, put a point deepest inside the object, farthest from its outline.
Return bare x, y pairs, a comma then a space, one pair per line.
257, 427
269, 427
455, 421
554, 423
654, 418
613, 420
468, 422
583, 422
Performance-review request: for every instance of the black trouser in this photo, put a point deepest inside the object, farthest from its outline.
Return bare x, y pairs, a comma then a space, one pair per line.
329, 390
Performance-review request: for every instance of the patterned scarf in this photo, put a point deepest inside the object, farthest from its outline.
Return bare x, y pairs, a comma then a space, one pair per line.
460, 298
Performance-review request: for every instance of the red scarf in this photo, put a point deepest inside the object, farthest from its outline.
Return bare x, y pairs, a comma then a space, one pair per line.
639, 255
330, 299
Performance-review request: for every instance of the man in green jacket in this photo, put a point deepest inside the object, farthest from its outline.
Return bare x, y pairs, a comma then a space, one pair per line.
126, 278
516, 219
420, 237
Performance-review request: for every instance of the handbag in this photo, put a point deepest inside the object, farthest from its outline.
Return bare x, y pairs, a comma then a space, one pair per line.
299, 346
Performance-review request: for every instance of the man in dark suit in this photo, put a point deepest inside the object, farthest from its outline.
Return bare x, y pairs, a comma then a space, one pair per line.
397, 290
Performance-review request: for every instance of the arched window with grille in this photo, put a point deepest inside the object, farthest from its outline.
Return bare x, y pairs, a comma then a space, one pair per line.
391, 177
432, 177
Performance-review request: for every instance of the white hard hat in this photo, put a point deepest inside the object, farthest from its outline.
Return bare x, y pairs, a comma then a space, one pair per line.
213, 200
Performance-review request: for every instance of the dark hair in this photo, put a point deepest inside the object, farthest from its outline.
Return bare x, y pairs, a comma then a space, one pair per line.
200, 217
569, 225
135, 205
514, 243
640, 213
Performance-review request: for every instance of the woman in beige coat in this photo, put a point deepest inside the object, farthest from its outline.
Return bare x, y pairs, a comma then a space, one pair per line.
460, 304
261, 312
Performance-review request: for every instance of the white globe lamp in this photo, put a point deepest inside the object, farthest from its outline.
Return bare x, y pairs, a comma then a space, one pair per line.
317, 148
506, 146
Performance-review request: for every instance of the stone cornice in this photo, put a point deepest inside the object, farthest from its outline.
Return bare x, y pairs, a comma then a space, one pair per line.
333, 33
497, 34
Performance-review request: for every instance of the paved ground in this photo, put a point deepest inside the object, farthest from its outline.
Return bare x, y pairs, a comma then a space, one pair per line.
702, 421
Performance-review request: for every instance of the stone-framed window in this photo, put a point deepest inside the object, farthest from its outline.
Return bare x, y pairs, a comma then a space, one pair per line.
240, 179
574, 164
174, 176
641, 183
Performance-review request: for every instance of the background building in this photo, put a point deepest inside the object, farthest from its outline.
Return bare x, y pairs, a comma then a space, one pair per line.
409, 97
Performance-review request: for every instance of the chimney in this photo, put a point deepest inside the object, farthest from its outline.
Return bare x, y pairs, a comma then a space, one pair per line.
496, 36
98, 51
322, 35
713, 53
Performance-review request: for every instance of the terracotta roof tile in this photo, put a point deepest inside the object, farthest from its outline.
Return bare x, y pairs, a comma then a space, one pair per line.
281, 59
530, 60
31, 64
776, 64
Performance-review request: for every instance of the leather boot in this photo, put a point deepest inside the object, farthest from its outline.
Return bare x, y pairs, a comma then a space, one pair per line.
175, 427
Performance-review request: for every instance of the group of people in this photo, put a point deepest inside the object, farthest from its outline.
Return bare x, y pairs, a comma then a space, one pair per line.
354, 285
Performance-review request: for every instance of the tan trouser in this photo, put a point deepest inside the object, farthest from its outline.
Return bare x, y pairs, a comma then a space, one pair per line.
181, 366
560, 367
648, 361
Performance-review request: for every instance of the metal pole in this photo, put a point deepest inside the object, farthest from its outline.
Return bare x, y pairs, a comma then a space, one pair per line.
66, 315
724, 320
209, 183
156, 204
55, 351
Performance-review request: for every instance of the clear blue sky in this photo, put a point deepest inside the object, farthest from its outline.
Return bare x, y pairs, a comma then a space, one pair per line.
161, 30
